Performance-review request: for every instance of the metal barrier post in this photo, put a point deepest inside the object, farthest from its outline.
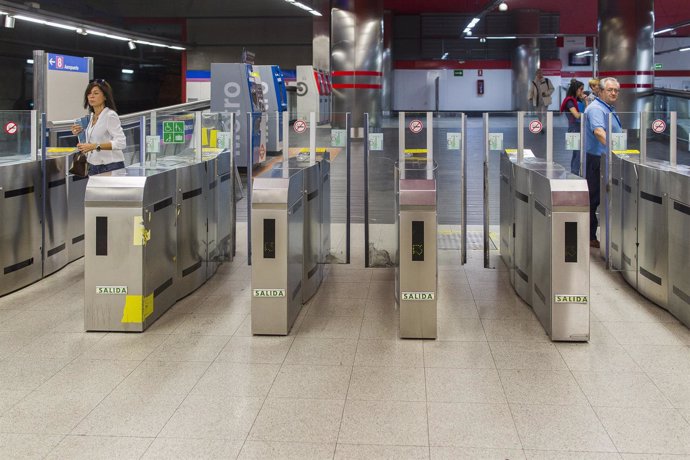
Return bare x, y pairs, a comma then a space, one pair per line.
673, 151
487, 238
366, 188
463, 192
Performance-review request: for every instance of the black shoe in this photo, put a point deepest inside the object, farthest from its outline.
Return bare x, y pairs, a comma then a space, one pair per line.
594, 244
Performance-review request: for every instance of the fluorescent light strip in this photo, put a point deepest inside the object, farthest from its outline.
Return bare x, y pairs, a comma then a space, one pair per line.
127, 71
663, 31
684, 49
583, 53
304, 7
21, 17
507, 37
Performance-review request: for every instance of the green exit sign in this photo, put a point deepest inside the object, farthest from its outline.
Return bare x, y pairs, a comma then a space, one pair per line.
457, 73
173, 132
658, 66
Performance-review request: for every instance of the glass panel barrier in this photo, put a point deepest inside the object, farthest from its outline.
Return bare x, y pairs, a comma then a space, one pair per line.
305, 141
178, 139
18, 136
419, 141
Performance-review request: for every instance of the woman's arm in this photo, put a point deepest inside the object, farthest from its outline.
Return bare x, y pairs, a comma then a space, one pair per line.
574, 112
114, 128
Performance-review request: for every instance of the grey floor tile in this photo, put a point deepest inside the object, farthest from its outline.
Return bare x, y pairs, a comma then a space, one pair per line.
527, 386
452, 306
337, 307
163, 377
472, 453
66, 345
342, 290
135, 347
527, 355
384, 422
192, 449
560, 455
659, 358
569, 428
32, 321
89, 376
680, 331
620, 389
647, 430
596, 357
462, 355
129, 414
212, 418
366, 452
236, 379
458, 328
256, 349
48, 413
381, 326
211, 324
28, 374
349, 275
331, 352
311, 382
12, 341
298, 420
100, 447
256, 450
674, 385
376, 307
514, 330
8, 398
518, 309
387, 383
381, 290
189, 348
395, 353
331, 327
472, 425
464, 385
27, 446
641, 333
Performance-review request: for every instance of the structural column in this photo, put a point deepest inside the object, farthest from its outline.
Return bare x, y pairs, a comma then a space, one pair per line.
626, 47
357, 59
525, 60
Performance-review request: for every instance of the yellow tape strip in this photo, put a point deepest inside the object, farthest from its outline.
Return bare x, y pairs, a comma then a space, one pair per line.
416, 150
213, 141
60, 149
137, 308
317, 150
626, 152
204, 136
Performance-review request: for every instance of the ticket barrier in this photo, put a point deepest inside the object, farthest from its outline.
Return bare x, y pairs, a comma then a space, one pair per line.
653, 214
417, 268
20, 222
56, 216
130, 248
547, 249
277, 222
147, 243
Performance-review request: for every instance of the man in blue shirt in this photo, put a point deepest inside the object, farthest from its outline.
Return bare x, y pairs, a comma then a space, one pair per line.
596, 144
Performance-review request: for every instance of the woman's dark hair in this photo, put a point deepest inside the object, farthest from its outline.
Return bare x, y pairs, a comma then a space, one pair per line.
104, 86
574, 86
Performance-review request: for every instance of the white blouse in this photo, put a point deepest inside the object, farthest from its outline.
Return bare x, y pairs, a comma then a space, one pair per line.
107, 129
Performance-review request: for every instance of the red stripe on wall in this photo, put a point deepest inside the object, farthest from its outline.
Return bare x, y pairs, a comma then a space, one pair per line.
637, 85
626, 73
452, 65
672, 73
355, 86
356, 73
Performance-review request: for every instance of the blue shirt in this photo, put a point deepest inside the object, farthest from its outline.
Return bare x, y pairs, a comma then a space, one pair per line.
597, 116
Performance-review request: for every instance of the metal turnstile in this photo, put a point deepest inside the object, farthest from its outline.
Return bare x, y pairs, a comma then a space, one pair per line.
417, 269
560, 253
56, 215
277, 220
226, 208
130, 248
679, 245
652, 231
629, 199
312, 268
20, 223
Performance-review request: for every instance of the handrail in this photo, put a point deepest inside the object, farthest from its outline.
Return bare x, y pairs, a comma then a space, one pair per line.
665, 92
131, 118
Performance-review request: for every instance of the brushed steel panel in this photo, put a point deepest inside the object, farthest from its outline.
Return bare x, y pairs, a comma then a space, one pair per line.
629, 223
55, 220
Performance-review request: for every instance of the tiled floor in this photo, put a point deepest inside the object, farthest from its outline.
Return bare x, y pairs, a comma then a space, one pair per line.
342, 385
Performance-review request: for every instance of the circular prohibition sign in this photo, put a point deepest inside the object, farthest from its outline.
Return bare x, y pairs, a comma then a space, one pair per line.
658, 126
416, 126
535, 126
300, 126
11, 128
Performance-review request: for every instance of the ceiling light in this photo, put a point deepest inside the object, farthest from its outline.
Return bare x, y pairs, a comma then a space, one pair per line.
583, 53
684, 49
663, 31
445, 56
179, 48
507, 37
503, 6
9, 22
29, 61
315, 13
81, 31
482, 40
128, 71
131, 45
106, 35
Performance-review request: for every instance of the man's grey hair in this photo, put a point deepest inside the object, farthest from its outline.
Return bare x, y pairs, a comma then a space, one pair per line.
603, 81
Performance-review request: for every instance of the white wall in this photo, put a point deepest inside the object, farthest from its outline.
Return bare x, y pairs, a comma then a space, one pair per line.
414, 90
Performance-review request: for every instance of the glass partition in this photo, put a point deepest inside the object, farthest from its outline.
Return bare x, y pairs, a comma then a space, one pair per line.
18, 136
418, 141
302, 142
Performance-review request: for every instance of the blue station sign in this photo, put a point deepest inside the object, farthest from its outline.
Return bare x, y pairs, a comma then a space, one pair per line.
67, 63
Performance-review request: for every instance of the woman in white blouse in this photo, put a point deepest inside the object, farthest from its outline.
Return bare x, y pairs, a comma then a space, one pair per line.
105, 139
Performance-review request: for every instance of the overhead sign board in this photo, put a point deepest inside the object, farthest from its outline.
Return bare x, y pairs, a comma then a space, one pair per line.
65, 63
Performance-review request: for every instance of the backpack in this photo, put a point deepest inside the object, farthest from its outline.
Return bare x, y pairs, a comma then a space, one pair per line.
565, 101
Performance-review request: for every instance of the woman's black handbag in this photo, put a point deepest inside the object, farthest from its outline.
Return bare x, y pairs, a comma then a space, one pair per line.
79, 165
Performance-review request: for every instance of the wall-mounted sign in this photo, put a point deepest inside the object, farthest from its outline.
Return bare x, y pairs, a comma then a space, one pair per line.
458, 73
67, 63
